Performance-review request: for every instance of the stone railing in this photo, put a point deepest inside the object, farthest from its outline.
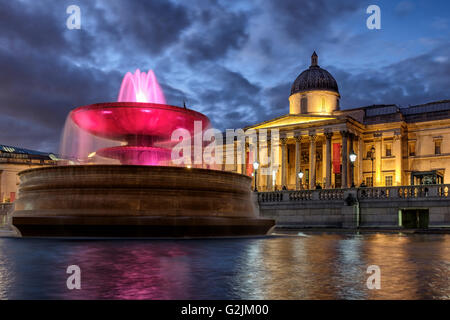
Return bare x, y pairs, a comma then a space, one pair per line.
376, 193
405, 192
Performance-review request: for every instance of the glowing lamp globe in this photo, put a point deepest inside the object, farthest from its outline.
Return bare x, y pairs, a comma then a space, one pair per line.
352, 157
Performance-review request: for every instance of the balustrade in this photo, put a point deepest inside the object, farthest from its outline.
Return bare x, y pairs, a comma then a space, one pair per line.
376, 193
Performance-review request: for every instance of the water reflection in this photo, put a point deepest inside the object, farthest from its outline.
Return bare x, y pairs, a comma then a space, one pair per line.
318, 266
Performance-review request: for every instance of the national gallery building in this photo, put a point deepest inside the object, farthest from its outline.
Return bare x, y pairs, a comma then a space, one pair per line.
379, 145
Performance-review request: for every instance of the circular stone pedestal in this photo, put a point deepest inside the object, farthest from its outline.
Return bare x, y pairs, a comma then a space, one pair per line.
135, 201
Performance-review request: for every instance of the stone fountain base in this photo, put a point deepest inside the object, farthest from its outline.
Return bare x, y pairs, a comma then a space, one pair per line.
135, 201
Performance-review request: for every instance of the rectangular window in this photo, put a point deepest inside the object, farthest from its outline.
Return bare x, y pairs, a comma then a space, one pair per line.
388, 149
303, 105
437, 147
369, 182
412, 148
369, 152
388, 181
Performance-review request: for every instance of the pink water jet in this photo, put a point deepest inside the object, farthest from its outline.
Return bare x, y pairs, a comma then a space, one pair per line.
141, 87
141, 120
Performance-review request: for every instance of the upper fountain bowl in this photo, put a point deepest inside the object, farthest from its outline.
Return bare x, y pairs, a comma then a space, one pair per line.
121, 120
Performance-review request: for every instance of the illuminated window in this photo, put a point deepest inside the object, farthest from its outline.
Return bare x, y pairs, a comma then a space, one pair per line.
369, 182
323, 105
388, 181
437, 147
388, 149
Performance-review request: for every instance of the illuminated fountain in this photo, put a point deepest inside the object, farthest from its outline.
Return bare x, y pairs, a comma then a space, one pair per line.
141, 121
121, 181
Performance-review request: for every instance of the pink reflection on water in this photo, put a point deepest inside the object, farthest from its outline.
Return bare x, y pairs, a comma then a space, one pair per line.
141, 87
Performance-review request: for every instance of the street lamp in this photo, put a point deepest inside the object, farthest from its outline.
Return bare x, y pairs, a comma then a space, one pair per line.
352, 157
372, 155
255, 167
300, 176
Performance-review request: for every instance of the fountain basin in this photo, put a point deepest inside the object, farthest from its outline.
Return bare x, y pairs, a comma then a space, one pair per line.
123, 121
135, 201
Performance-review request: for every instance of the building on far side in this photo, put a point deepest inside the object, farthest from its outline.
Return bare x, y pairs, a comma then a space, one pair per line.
393, 145
12, 161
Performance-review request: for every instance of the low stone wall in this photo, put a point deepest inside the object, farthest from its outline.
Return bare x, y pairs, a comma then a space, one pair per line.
357, 207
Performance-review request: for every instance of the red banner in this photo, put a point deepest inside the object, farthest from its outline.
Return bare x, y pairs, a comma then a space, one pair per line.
336, 157
249, 163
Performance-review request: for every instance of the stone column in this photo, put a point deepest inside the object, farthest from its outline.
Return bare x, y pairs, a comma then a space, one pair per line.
283, 161
351, 168
298, 154
244, 159
344, 173
377, 162
397, 148
269, 167
327, 160
258, 172
312, 161
361, 156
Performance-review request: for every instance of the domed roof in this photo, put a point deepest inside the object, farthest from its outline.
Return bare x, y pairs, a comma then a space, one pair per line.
314, 78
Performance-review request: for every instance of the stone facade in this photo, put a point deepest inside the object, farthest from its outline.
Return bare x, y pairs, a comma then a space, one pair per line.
381, 207
12, 161
394, 146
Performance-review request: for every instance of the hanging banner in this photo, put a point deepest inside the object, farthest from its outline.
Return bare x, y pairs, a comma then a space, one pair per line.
336, 158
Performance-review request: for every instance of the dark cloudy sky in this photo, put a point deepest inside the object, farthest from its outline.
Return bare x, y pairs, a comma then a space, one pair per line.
232, 60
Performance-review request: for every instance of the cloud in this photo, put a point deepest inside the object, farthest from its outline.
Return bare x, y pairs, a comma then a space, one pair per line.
217, 31
411, 81
404, 8
233, 61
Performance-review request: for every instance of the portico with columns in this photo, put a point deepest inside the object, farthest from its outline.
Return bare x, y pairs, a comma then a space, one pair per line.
393, 146
309, 150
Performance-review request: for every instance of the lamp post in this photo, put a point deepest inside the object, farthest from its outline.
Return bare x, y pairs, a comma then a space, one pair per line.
372, 153
300, 176
255, 167
352, 157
